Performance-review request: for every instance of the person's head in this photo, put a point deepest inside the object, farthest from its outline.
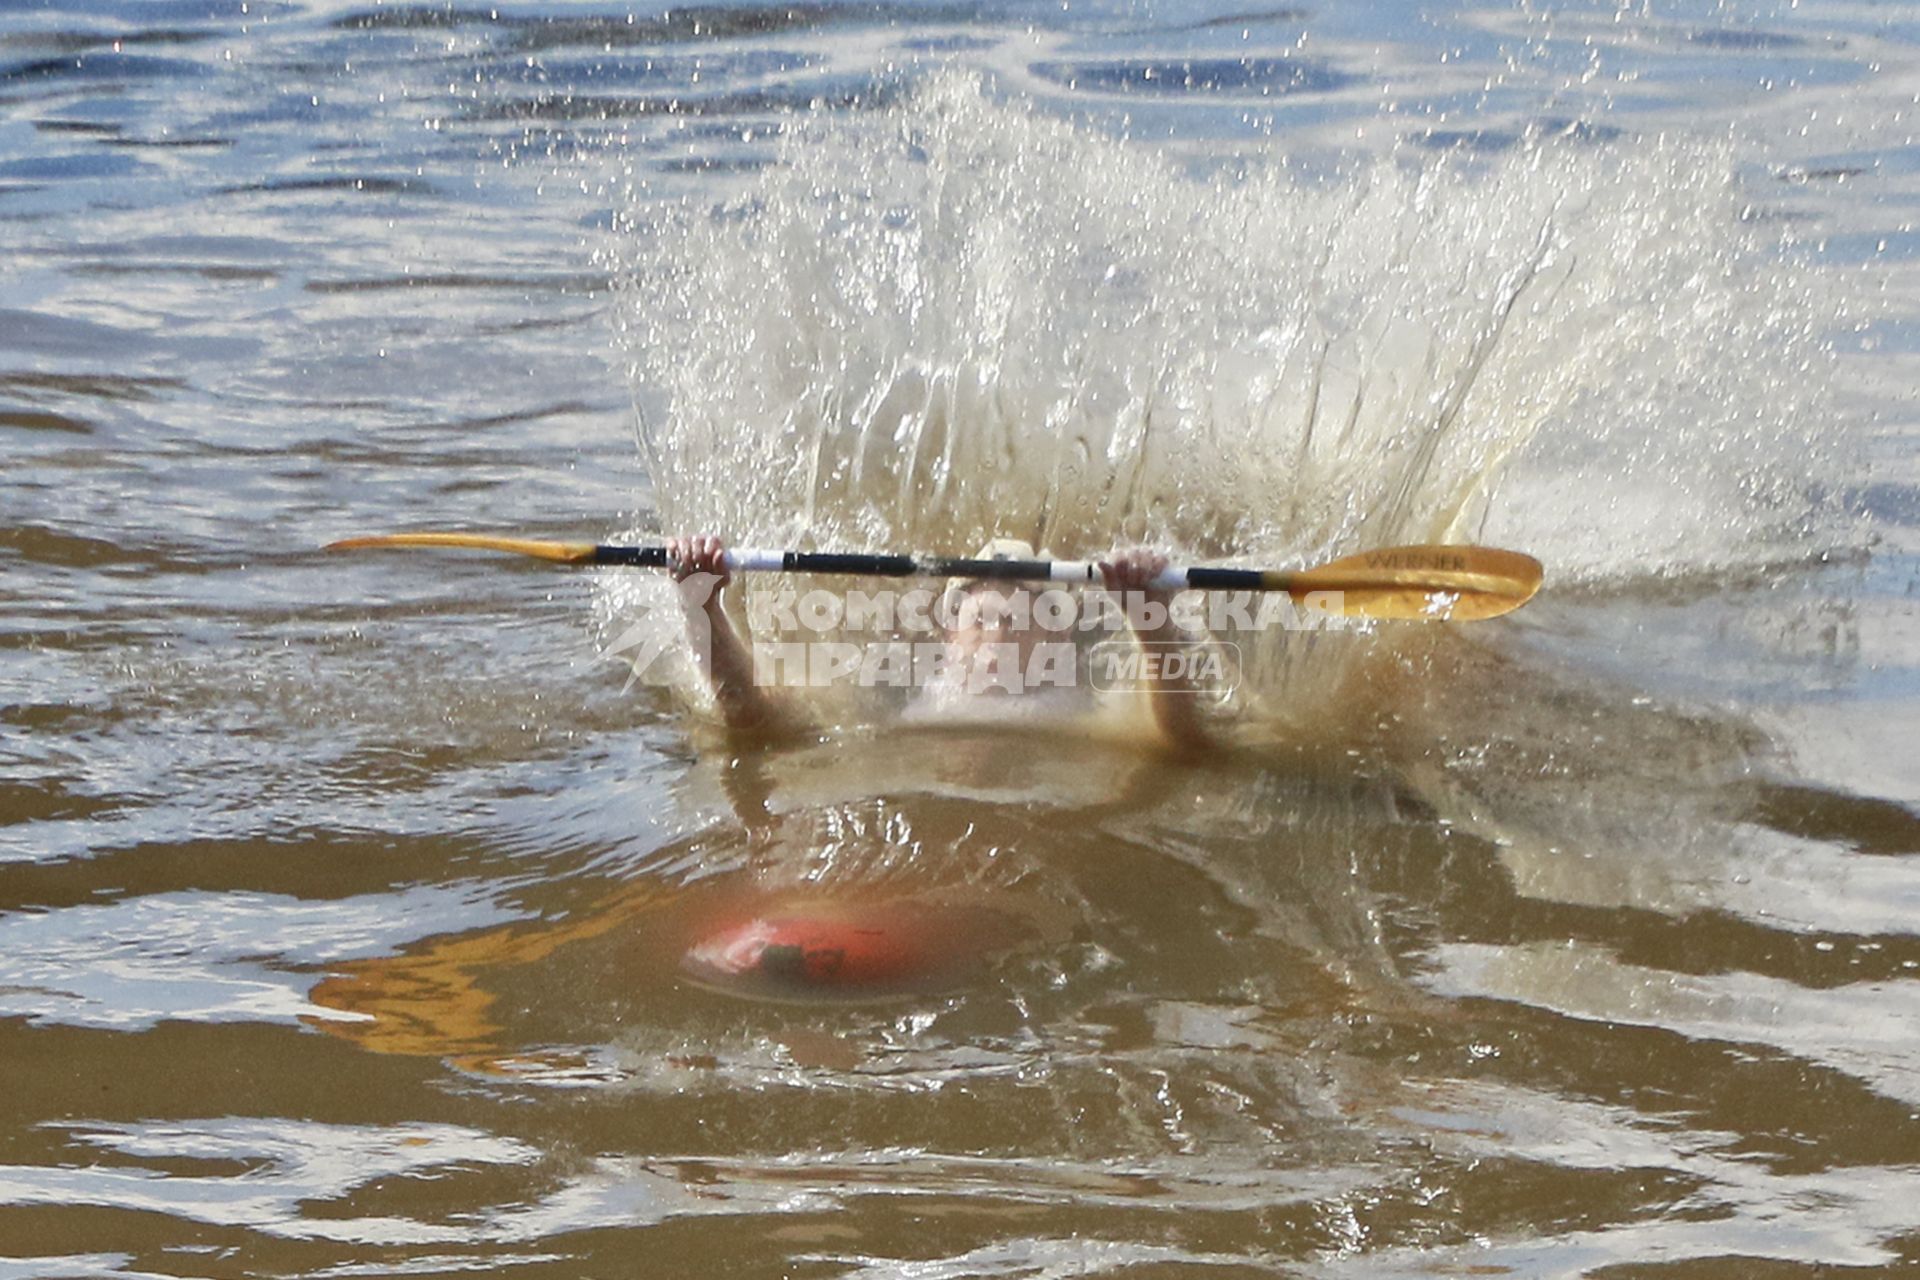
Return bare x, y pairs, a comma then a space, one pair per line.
984, 611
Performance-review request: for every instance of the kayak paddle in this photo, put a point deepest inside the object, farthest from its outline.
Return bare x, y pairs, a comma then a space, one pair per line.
1419, 583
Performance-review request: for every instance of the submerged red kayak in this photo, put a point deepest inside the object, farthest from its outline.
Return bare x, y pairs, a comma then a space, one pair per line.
852, 950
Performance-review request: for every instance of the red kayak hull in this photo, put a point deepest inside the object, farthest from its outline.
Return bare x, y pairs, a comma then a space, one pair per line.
851, 950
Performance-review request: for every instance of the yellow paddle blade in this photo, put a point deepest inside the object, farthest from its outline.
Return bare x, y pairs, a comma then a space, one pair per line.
1423, 583
561, 552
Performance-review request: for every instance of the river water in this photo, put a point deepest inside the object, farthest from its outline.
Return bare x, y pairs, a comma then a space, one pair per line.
347, 903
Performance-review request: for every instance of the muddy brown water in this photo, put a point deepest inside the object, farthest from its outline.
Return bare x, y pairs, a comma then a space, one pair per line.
358, 917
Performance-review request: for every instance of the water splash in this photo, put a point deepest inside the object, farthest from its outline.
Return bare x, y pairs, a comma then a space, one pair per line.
962, 318
957, 318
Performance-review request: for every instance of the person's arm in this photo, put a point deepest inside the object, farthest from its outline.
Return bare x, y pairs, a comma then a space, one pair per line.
723, 660
1175, 698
